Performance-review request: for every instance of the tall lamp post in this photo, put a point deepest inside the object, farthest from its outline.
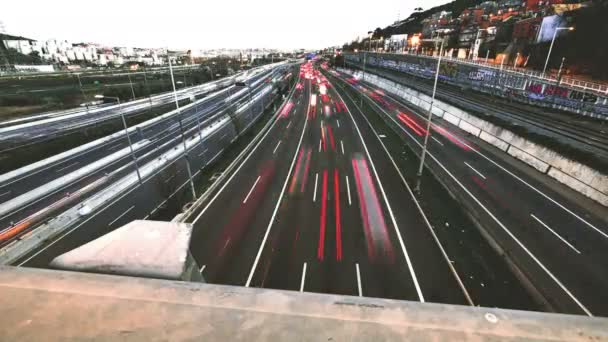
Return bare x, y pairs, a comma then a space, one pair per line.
181, 129
124, 123
369, 34
428, 120
551, 46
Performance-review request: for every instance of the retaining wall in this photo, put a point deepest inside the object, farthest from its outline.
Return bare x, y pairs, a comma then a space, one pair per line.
586, 180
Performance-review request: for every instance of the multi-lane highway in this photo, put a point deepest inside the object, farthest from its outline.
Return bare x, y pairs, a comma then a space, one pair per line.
322, 202
318, 207
33, 188
555, 237
17, 133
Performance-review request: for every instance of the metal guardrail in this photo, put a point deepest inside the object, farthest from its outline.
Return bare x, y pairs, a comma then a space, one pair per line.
599, 88
491, 80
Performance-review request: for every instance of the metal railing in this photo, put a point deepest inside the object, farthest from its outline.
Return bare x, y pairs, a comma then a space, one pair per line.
599, 88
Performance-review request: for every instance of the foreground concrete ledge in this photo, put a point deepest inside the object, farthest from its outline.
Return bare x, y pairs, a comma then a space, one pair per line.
151, 249
48, 305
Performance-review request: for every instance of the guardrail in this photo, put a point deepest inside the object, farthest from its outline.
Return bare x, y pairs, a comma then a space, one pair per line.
599, 88
491, 80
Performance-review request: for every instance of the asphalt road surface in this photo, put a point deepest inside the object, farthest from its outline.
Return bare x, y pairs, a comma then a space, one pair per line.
159, 135
317, 206
551, 234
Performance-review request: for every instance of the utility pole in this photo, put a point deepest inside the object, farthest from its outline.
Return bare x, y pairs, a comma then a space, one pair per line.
428, 125
131, 83
181, 129
551, 47
147, 87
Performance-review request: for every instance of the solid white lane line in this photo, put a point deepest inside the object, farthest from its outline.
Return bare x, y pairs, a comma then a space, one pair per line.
289, 124
251, 190
511, 174
121, 215
5, 193
277, 147
205, 151
338, 123
502, 226
242, 163
554, 233
359, 280
303, 278
66, 167
388, 206
202, 269
348, 189
422, 214
319, 145
314, 194
437, 141
342, 146
276, 208
477, 172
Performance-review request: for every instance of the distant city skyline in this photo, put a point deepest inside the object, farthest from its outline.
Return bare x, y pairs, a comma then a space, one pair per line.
218, 24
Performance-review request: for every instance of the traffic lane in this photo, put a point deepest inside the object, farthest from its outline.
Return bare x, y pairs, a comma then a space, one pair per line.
165, 127
162, 132
144, 155
127, 106
575, 254
538, 196
329, 237
489, 280
307, 229
167, 183
547, 232
541, 194
240, 212
547, 270
131, 205
202, 110
436, 281
263, 173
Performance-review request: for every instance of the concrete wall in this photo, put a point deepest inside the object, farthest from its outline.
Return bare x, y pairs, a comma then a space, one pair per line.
589, 182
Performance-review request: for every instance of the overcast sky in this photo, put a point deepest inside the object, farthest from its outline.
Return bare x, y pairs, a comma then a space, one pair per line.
203, 23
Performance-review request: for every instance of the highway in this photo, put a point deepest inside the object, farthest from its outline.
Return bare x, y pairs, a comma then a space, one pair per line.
318, 207
165, 183
16, 192
323, 202
15, 134
556, 238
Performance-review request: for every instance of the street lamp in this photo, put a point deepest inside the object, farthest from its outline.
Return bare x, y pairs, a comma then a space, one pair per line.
131, 83
428, 120
551, 46
369, 34
124, 123
82, 92
181, 129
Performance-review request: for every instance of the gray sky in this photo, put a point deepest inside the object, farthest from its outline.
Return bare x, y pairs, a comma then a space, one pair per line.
205, 24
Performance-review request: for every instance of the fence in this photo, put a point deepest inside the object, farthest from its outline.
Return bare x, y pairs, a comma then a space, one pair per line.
514, 85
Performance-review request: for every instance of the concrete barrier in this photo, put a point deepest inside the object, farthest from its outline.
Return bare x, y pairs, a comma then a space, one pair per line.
579, 177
